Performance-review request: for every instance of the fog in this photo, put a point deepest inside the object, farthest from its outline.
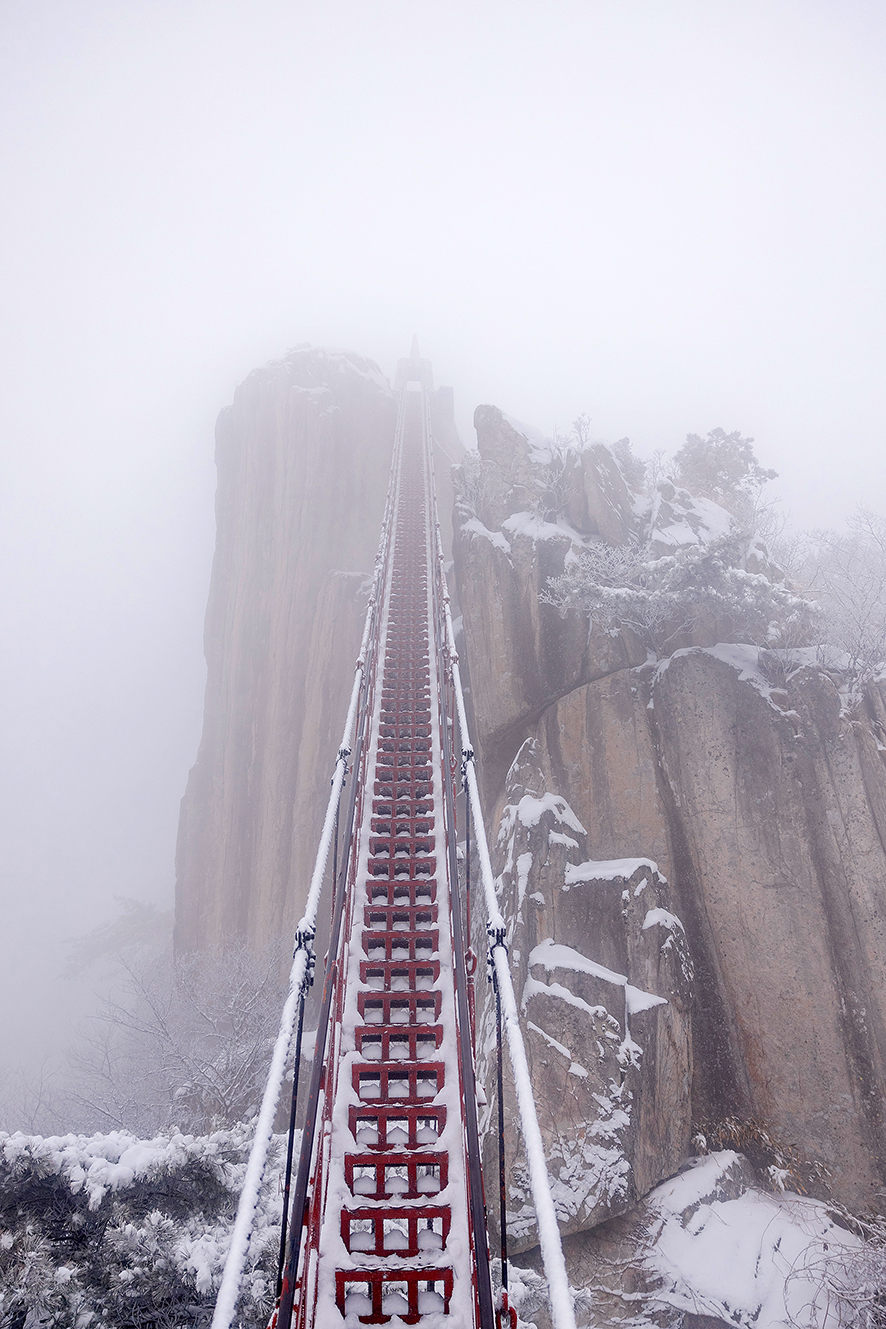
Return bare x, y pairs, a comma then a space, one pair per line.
668, 215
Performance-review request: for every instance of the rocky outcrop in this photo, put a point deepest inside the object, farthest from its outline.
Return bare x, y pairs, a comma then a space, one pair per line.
608, 1037
303, 455
758, 809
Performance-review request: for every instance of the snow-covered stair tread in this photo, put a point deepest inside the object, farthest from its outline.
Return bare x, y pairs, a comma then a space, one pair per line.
395, 1239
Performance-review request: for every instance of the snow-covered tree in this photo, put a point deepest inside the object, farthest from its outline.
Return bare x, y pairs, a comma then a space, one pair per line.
723, 468
184, 1043
846, 573
114, 1230
663, 599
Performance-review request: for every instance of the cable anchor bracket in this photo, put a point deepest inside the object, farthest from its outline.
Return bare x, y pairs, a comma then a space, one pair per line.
495, 935
304, 941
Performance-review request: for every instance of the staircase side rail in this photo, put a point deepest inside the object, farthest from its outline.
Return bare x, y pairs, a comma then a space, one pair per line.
300, 974
562, 1312
477, 1202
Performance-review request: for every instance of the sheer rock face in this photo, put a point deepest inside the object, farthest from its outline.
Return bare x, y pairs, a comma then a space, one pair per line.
505, 552
303, 456
764, 809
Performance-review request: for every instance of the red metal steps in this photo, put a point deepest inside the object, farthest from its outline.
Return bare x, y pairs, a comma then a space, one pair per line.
391, 1227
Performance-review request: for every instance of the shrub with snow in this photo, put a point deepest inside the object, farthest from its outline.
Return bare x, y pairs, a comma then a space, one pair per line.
132, 1232
663, 599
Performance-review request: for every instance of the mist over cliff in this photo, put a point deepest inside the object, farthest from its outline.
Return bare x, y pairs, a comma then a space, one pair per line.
686, 799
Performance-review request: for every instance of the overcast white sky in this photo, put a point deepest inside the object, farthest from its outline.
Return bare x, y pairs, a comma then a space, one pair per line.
666, 213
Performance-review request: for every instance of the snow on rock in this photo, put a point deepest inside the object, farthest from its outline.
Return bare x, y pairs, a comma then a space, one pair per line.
542, 447
677, 519
615, 869
535, 528
662, 918
590, 1016
530, 810
710, 1244
475, 527
552, 956
747, 1258
745, 659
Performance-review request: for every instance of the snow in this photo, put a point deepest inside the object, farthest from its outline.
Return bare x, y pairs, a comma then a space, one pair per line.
554, 837
551, 955
537, 529
749, 1259
524, 866
745, 660
530, 811
677, 534
541, 447
98, 1164
575, 1068
612, 869
687, 520
661, 918
475, 527
715, 520
197, 1246
533, 987
637, 1000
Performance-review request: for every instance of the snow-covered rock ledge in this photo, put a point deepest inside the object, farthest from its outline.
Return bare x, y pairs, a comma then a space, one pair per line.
709, 1247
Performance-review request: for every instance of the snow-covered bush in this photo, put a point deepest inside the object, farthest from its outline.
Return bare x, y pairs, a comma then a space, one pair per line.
126, 1231
663, 599
844, 1285
776, 1165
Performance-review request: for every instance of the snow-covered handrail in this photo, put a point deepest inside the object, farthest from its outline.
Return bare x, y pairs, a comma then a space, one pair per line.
562, 1312
301, 972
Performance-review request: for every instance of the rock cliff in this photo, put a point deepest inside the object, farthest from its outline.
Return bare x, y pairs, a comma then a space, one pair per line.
303, 455
691, 848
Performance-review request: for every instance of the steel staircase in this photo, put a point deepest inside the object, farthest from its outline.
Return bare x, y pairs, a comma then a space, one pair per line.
390, 1231
387, 1222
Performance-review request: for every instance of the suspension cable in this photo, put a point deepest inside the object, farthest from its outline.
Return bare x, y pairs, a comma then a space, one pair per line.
507, 1313
290, 1139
